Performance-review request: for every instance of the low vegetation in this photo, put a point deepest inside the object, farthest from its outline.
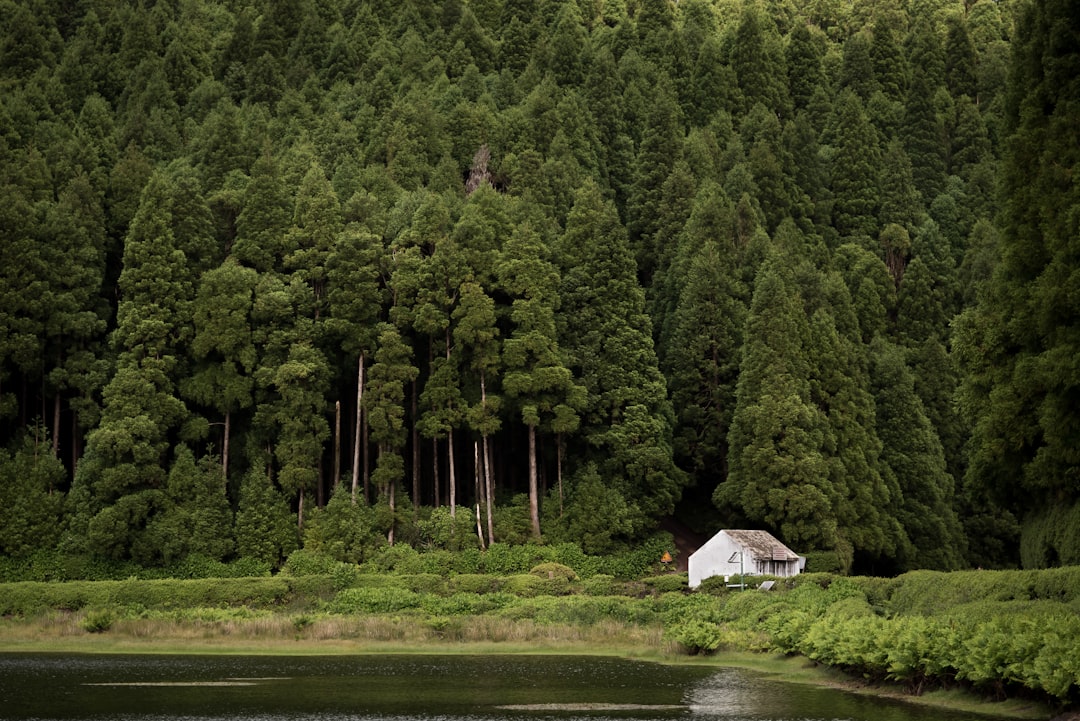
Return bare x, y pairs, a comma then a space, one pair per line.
1001, 634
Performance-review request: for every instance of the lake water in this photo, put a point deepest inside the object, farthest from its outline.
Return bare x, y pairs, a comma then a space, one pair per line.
414, 688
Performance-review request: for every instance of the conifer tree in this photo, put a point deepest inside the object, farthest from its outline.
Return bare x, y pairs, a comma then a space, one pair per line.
1016, 346
222, 346
703, 361
141, 408
778, 475
535, 379
855, 170
913, 456
607, 338
264, 530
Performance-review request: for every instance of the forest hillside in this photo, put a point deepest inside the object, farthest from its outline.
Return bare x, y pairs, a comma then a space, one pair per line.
337, 274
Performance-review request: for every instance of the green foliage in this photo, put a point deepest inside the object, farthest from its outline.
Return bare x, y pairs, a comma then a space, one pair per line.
221, 225
667, 583
374, 600
98, 620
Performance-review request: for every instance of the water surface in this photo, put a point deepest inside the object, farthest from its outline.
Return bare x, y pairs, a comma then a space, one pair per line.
415, 688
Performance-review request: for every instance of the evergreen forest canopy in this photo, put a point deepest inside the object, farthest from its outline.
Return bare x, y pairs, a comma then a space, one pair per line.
337, 273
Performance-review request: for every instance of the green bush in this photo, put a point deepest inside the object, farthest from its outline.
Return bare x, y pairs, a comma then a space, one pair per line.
98, 620
399, 558
529, 586
600, 584
307, 563
714, 585
374, 600
823, 562
503, 559
668, 582
475, 583
697, 636
426, 583
553, 571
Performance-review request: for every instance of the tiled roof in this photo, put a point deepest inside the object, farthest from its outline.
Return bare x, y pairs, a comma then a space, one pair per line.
762, 545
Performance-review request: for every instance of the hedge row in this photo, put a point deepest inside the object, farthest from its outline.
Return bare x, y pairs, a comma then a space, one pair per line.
995, 630
28, 597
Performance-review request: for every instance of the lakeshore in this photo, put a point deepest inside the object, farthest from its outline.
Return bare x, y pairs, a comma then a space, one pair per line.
283, 635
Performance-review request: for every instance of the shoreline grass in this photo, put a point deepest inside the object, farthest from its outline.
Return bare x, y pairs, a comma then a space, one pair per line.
267, 633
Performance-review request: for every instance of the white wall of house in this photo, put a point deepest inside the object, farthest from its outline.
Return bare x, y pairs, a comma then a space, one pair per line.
720, 556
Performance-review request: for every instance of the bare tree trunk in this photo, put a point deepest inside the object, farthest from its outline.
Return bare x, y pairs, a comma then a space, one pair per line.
393, 508
487, 464
337, 445
415, 451
225, 449
558, 470
453, 475
476, 473
300, 515
75, 446
356, 431
435, 470
367, 465
56, 426
490, 491
534, 500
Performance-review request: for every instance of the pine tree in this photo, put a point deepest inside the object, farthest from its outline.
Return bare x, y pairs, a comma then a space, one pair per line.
855, 170
703, 361
1016, 346
757, 57
607, 338
195, 519
385, 405
141, 409
535, 379
913, 456
222, 346
778, 475
264, 531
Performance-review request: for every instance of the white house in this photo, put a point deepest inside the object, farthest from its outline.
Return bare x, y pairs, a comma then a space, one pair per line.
753, 553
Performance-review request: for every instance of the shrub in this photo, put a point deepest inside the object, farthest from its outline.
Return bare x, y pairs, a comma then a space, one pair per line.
528, 586
399, 558
823, 562
504, 559
570, 554
697, 636
426, 583
474, 583
98, 620
714, 585
552, 570
668, 582
374, 600
308, 563
600, 585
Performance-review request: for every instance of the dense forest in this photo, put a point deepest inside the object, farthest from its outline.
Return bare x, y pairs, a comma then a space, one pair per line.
342, 273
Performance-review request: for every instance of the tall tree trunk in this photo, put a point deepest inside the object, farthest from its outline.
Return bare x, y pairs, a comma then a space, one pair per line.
75, 448
489, 495
435, 471
490, 491
300, 515
225, 449
453, 476
534, 500
337, 445
366, 469
356, 431
558, 469
415, 434
56, 426
476, 473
